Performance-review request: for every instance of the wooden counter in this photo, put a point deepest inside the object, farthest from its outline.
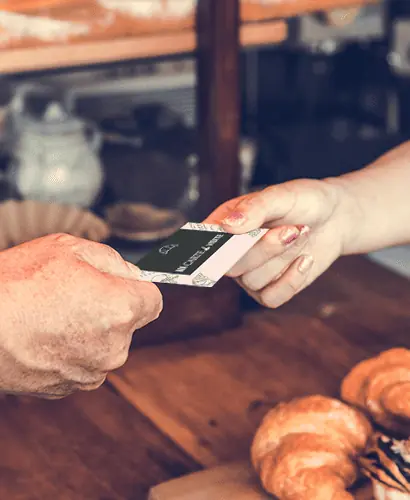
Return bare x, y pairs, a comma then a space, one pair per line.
193, 404
43, 34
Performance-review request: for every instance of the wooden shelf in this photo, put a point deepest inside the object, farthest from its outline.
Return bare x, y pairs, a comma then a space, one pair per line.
254, 10
95, 34
79, 54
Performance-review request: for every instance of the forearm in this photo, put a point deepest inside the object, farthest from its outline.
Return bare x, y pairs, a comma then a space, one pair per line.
375, 203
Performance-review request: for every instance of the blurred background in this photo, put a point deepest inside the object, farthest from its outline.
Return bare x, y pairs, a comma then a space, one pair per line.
110, 153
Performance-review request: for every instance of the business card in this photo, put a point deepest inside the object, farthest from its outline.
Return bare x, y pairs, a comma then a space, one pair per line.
197, 255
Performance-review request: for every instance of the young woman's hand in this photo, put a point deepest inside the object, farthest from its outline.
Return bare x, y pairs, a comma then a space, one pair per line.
308, 224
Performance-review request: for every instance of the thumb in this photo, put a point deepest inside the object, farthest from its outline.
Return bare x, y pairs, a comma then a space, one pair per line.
258, 209
107, 260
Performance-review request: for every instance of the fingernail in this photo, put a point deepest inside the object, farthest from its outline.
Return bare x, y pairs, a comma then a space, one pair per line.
135, 271
303, 230
305, 264
235, 219
289, 235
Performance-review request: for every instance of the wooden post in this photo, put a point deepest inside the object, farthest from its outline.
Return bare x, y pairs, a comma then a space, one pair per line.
218, 113
218, 101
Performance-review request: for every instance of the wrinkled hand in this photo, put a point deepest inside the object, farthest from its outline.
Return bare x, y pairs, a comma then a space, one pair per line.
307, 230
69, 308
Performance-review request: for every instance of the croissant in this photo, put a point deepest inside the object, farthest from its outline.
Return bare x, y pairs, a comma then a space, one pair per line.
380, 386
387, 463
306, 449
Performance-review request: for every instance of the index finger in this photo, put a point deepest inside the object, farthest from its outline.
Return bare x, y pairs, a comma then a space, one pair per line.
220, 213
255, 210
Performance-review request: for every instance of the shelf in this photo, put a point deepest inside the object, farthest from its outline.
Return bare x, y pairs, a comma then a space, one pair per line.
80, 54
45, 34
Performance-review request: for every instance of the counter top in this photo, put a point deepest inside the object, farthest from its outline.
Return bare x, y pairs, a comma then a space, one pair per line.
177, 408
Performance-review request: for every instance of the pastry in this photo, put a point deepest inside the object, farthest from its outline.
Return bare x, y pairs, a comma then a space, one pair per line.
307, 449
387, 463
21, 221
380, 386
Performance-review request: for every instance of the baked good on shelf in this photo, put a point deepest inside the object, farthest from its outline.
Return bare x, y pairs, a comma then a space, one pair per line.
21, 221
307, 449
380, 386
387, 463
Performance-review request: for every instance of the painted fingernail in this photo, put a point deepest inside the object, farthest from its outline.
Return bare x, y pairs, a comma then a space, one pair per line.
305, 264
289, 235
235, 219
303, 229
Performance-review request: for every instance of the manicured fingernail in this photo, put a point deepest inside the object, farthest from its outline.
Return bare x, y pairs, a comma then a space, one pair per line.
235, 219
303, 230
289, 235
305, 264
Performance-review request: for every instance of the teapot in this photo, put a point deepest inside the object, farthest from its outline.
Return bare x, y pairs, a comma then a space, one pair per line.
54, 156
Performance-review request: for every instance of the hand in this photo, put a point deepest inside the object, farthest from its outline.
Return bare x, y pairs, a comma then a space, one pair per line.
68, 308
307, 231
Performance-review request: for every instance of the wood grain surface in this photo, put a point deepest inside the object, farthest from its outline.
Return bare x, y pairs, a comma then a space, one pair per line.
209, 395
196, 404
91, 446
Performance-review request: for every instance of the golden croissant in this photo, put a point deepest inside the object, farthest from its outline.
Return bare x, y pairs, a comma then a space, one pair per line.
380, 386
307, 449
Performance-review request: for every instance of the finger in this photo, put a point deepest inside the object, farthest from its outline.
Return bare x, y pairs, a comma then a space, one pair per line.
273, 206
105, 259
145, 301
145, 298
223, 211
291, 283
257, 209
274, 243
93, 387
274, 268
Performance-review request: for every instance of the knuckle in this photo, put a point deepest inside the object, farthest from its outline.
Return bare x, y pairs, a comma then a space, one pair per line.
111, 252
271, 240
233, 273
156, 293
267, 300
150, 303
64, 238
249, 282
95, 385
125, 316
293, 288
56, 397
157, 312
248, 202
159, 307
114, 362
270, 190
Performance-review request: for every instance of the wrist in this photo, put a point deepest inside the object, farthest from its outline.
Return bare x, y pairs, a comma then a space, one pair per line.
347, 212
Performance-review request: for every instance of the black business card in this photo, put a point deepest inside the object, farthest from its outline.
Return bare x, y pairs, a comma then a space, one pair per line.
184, 252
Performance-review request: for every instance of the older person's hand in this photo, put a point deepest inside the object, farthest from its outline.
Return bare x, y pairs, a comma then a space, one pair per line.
307, 234
69, 308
